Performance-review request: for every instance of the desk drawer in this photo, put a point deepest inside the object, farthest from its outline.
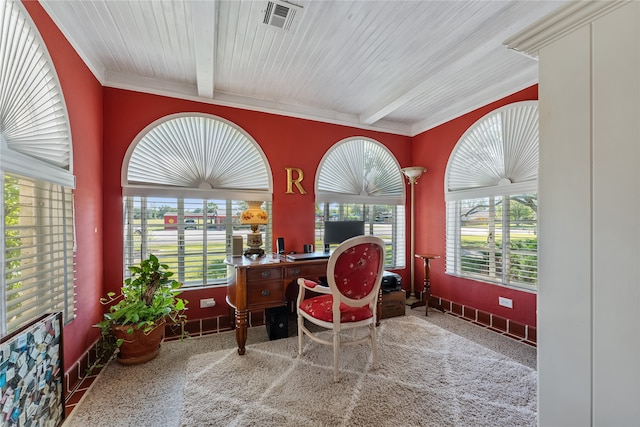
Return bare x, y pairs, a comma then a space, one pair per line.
261, 274
306, 271
265, 293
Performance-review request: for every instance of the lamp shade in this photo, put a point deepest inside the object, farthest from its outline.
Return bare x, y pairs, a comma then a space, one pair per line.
413, 173
254, 214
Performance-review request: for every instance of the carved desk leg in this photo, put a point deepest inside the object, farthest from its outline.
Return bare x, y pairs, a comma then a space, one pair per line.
241, 330
242, 312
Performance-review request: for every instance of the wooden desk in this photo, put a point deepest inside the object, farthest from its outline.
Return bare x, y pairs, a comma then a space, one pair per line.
261, 283
427, 280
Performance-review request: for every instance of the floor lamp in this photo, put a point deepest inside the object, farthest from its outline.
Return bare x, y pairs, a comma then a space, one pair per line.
412, 174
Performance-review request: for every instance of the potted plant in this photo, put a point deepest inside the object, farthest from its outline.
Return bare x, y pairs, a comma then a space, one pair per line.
135, 322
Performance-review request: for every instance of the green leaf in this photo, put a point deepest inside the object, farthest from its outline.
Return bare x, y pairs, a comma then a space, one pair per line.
129, 307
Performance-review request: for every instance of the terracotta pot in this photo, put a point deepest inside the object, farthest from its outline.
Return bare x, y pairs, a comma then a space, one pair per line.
138, 347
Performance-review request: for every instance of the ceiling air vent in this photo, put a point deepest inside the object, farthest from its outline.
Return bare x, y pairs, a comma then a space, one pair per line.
282, 15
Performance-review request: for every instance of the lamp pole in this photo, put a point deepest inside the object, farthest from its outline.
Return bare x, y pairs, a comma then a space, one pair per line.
412, 174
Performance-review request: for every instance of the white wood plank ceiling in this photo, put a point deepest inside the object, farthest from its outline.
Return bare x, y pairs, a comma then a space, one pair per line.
395, 66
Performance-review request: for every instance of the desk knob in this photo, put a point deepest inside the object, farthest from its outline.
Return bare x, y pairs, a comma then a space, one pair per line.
296, 271
265, 293
266, 274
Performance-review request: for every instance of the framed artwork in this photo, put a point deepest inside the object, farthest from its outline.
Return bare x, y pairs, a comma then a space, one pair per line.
31, 374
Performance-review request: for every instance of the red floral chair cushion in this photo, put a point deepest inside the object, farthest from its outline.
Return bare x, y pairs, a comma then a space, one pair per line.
321, 308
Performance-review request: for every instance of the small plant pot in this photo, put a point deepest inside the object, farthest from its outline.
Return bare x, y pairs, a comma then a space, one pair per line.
138, 347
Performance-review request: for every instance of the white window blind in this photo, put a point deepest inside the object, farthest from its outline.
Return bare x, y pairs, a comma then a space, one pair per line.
384, 221
360, 179
197, 156
491, 194
38, 250
186, 178
494, 239
36, 169
192, 236
359, 170
33, 117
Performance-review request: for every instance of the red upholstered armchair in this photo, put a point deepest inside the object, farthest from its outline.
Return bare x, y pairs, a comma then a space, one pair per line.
354, 273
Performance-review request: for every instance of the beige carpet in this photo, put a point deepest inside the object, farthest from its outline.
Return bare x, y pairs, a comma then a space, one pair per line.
427, 377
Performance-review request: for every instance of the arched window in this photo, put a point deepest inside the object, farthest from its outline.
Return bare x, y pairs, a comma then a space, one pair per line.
359, 179
185, 179
36, 163
491, 186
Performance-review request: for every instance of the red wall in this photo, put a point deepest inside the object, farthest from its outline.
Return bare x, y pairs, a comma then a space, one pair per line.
286, 142
83, 98
104, 121
432, 149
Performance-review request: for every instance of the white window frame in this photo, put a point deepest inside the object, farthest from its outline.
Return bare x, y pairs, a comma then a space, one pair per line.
35, 147
359, 177
495, 160
211, 160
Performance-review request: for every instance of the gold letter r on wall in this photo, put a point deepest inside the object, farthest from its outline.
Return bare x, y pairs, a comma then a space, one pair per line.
291, 182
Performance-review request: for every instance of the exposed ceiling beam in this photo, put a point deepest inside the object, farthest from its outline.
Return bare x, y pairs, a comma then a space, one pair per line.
374, 114
204, 16
148, 85
482, 97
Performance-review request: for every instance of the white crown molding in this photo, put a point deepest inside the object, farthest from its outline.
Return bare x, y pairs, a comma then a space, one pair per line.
190, 92
308, 113
565, 20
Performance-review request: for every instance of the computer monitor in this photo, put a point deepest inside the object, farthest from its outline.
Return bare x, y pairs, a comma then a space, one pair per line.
336, 232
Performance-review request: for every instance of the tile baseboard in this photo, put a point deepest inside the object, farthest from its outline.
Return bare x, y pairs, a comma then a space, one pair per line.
518, 331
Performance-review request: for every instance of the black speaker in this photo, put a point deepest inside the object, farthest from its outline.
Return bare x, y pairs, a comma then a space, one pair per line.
280, 245
277, 322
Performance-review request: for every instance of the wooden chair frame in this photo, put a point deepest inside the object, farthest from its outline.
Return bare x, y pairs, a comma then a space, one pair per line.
336, 325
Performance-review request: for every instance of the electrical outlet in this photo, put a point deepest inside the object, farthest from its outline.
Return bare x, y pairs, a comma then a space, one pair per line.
207, 302
505, 302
